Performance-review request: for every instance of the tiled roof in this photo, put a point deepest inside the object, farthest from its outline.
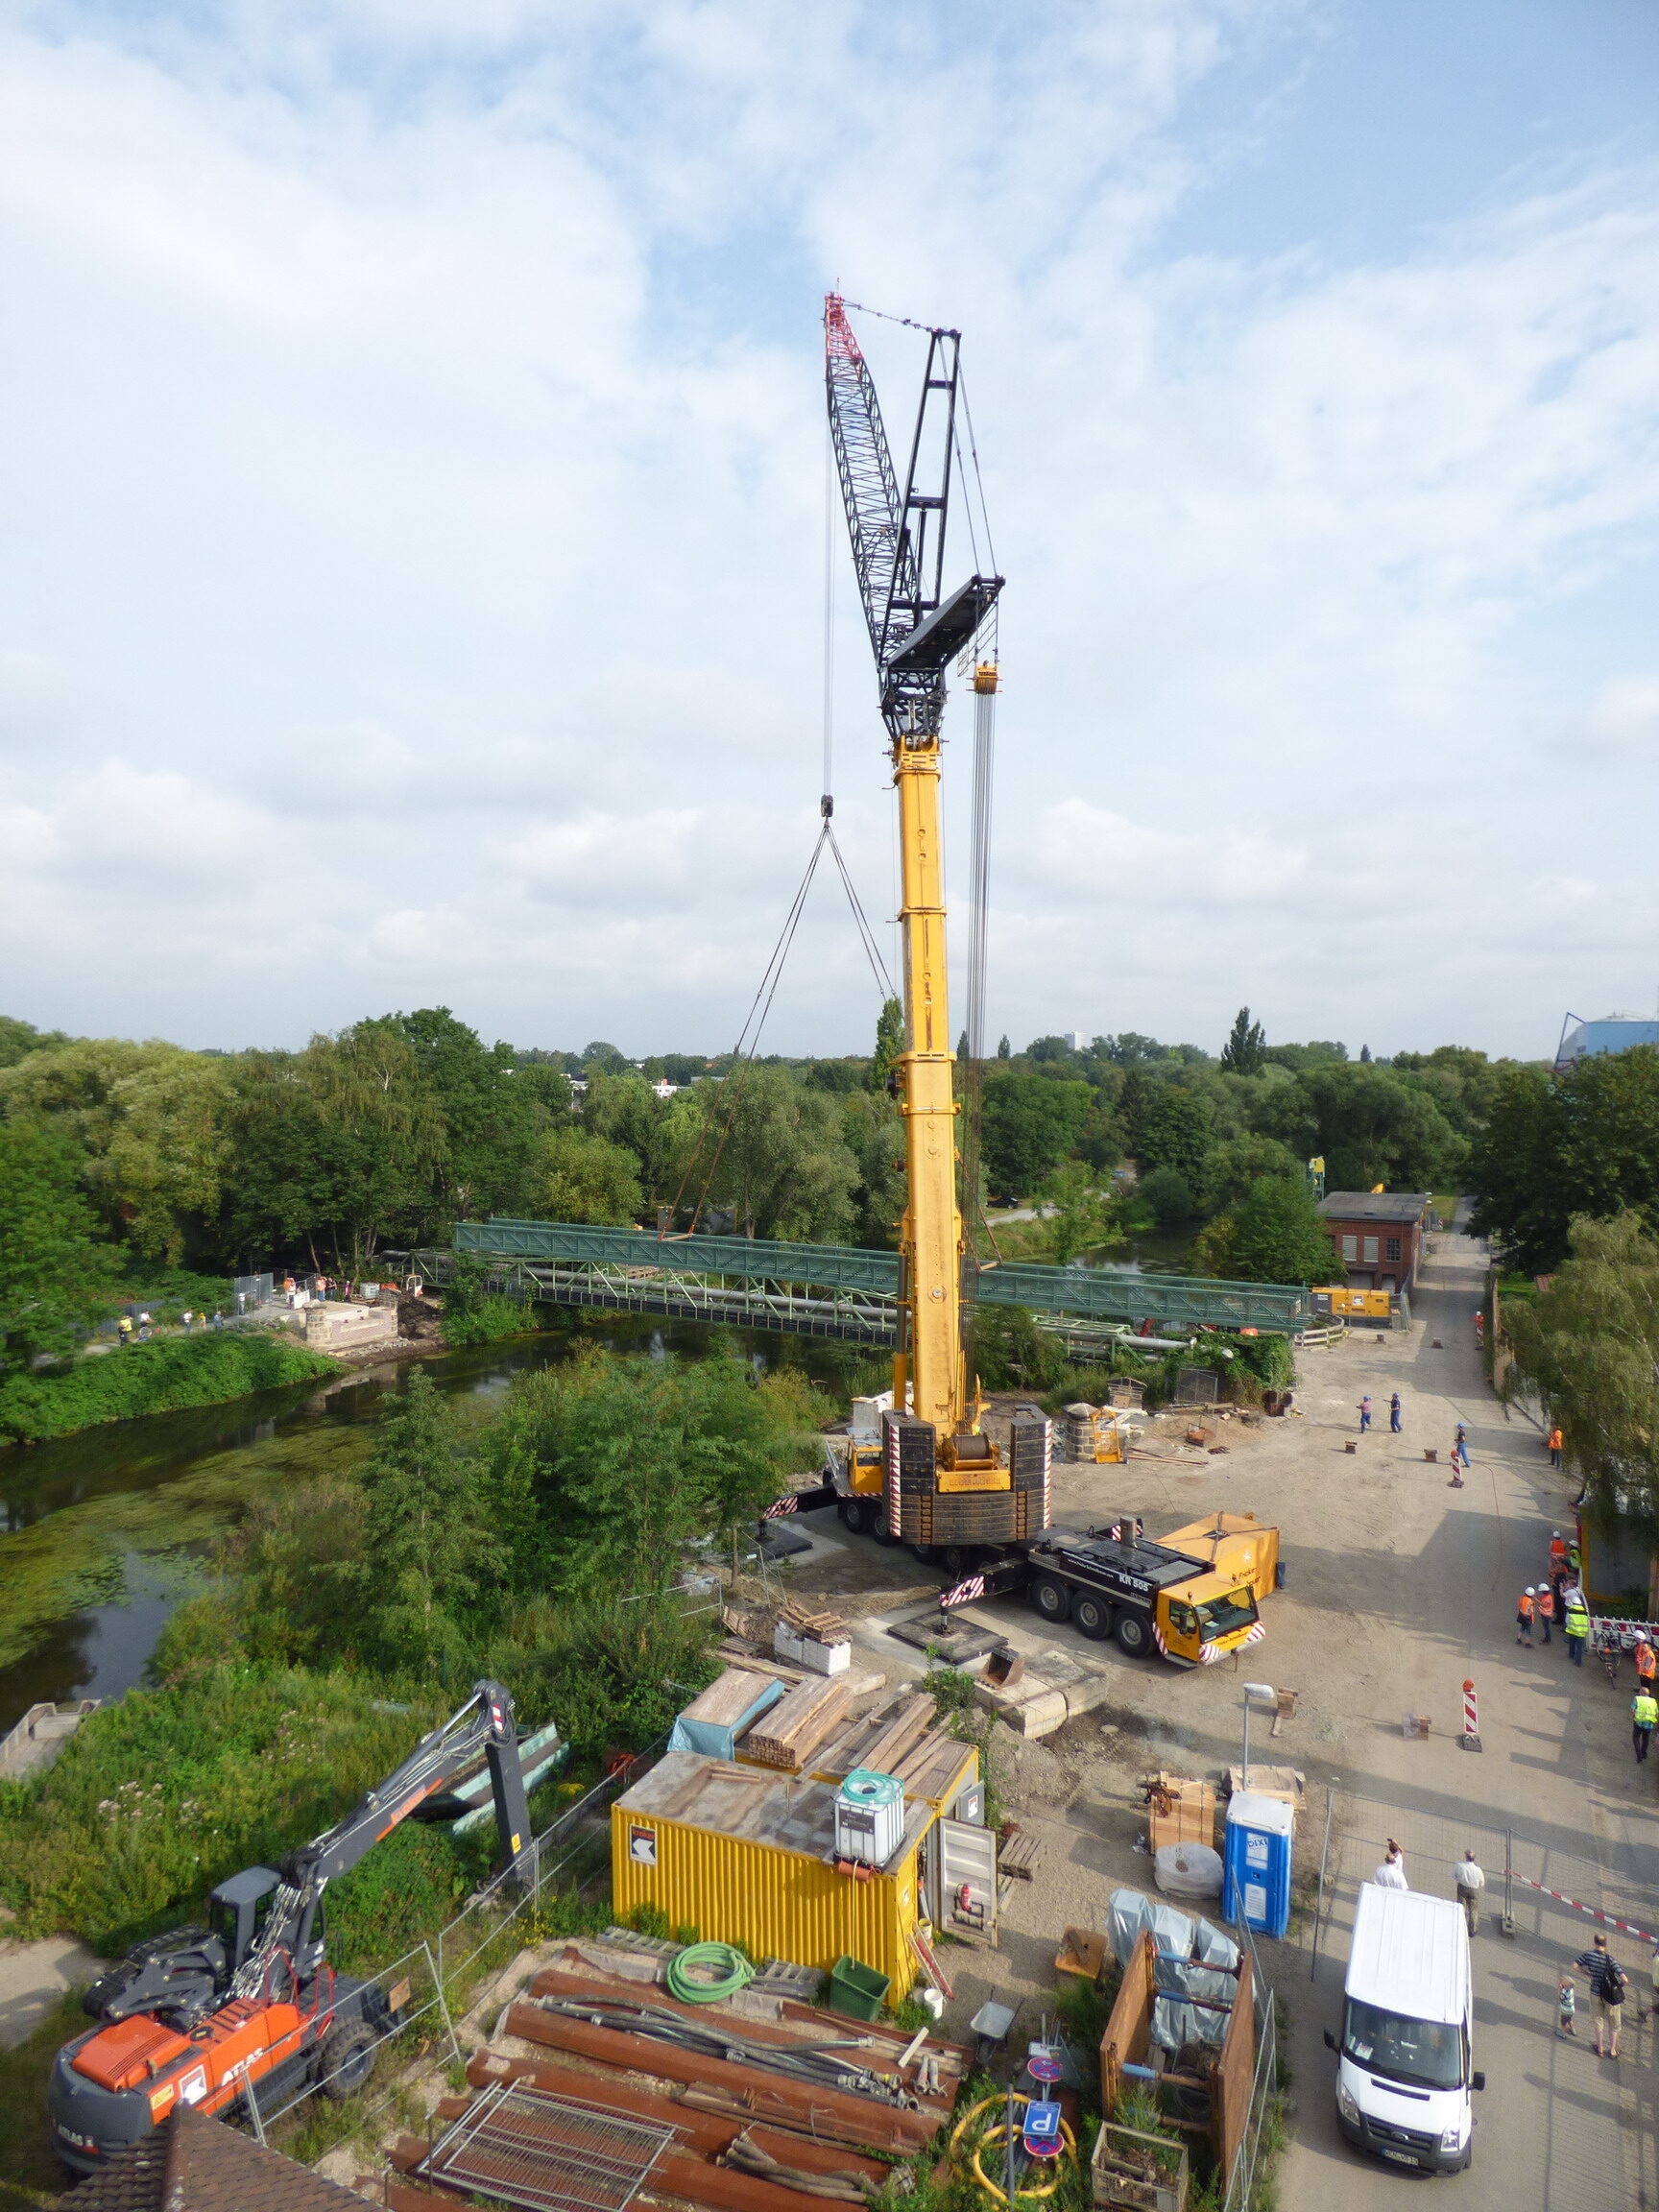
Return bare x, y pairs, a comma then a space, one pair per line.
194, 2164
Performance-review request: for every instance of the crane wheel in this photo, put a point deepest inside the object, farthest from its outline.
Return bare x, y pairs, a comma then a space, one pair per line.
857, 1515
1134, 1634
1092, 1617
1052, 1598
346, 2059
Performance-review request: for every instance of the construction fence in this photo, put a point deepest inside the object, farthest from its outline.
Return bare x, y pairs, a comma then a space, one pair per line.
430, 1987
1253, 2156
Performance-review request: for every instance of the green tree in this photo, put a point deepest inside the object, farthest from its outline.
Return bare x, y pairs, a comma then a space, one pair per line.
1079, 1214
602, 1059
1236, 1166
57, 1275
432, 1561
1004, 1051
493, 1122
1245, 1052
1029, 1123
873, 1131
1273, 1235
889, 1043
1168, 1126
1589, 1347
1371, 1125
152, 1121
1167, 1195
625, 1110
773, 1151
18, 1039
1557, 1147
336, 1148
581, 1177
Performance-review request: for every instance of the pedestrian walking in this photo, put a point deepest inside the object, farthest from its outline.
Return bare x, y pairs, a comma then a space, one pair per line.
1544, 1607
1391, 1874
124, 1331
1394, 1414
1644, 1720
1554, 1447
1471, 1881
1652, 2012
1566, 2006
1524, 1607
1460, 1451
1608, 1983
1364, 1413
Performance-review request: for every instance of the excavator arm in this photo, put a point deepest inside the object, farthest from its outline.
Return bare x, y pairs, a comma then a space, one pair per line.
292, 1930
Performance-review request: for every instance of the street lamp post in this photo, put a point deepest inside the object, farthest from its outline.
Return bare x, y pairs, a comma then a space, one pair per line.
1265, 1697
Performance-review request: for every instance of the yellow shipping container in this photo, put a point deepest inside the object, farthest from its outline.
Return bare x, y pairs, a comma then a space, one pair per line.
747, 1856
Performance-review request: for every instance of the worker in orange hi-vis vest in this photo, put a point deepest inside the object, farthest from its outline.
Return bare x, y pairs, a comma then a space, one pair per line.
1554, 1447
1524, 1615
1646, 1664
1557, 1548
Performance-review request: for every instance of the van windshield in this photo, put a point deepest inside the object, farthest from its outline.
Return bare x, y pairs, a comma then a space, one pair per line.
1425, 2052
1220, 1616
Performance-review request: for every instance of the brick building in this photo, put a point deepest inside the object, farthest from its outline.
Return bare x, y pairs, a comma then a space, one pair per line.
1378, 1235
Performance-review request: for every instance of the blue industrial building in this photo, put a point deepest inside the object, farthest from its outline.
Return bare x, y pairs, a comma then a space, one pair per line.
1617, 1033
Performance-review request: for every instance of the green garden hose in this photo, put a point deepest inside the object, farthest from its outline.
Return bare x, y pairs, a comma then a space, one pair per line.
729, 1970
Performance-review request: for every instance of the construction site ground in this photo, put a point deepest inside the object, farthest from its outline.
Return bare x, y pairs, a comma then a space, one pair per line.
1399, 1588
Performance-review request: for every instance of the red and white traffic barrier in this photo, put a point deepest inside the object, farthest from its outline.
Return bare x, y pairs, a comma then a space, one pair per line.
1471, 1736
1591, 1911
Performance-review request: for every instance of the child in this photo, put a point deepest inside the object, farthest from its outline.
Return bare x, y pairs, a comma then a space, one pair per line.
1567, 2001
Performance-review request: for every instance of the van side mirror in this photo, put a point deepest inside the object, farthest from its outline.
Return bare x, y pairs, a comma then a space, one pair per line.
1476, 2081
1329, 2040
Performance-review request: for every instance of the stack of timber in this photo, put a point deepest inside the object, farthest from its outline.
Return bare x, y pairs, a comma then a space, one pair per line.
905, 1741
787, 1736
1179, 1811
820, 1641
822, 1628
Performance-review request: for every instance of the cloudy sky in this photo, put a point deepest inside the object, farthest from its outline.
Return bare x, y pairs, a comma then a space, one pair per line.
412, 507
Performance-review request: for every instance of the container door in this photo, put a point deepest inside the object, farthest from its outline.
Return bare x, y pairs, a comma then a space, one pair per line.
962, 1888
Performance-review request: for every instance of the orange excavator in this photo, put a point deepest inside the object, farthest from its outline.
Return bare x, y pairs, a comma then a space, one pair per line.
246, 2011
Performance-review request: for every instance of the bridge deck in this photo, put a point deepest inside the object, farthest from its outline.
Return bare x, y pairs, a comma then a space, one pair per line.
561, 1256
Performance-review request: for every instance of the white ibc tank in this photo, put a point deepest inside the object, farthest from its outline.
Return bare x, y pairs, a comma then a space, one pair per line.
869, 1816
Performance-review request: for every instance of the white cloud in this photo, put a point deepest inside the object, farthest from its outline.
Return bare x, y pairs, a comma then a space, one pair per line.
418, 531
1623, 718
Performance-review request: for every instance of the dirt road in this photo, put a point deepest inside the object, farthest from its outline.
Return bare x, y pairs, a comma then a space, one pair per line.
1399, 1588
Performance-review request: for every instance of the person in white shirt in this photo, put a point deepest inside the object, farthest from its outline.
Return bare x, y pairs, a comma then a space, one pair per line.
1391, 1874
1471, 1881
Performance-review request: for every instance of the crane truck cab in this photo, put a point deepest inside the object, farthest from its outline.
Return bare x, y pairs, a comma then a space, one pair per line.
1149, 1595
248, 2004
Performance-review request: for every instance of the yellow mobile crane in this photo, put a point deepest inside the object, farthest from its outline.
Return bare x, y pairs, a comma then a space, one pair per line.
931, 1477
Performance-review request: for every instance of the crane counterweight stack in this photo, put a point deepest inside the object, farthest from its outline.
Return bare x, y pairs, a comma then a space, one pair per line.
938, 1480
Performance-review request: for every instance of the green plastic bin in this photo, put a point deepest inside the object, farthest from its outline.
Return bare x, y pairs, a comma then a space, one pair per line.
857, 1990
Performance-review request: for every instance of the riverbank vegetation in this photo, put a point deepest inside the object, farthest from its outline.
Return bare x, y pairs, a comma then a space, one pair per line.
161, 1377
542, 1541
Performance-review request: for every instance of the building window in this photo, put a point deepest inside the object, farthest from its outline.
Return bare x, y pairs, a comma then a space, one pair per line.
1349, 1247
1393, 1247
1370, 1251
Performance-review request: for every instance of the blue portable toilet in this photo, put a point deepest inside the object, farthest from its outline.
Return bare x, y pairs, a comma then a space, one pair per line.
1256, 1863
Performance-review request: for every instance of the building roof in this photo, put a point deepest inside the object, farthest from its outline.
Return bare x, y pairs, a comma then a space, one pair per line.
748, 1802
193, 2164
1375, 1205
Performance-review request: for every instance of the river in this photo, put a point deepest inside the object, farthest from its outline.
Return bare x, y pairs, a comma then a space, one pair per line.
104, 1531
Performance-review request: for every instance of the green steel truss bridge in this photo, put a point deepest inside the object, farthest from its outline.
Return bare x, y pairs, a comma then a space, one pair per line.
834, 1291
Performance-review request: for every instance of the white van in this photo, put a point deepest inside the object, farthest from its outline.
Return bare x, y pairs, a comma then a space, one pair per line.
1404, 2072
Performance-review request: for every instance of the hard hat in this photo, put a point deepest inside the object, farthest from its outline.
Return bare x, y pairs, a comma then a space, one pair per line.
1531, 1589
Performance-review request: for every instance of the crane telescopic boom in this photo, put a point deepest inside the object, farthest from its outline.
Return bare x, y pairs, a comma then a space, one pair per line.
941, 1474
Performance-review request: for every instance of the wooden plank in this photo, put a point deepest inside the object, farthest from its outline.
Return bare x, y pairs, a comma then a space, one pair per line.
787, 1735
900, 1735
728, 1699
1019, 1856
